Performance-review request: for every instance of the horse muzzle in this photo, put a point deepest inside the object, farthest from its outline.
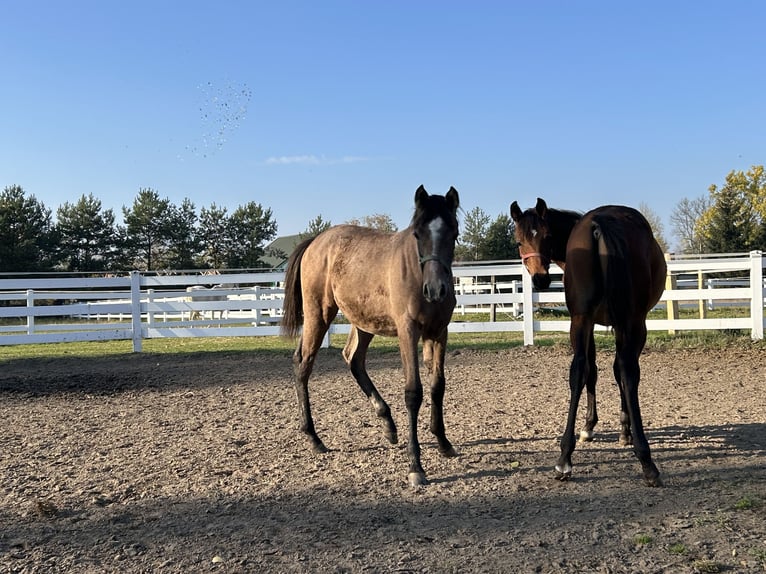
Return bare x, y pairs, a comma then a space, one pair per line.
434, 291
541, 281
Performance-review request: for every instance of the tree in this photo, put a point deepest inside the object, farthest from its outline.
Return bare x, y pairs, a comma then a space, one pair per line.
683, 220
655, 222
148, 225
721, 226
183, 236
499, 243
736, 219
251, 227
380, 221
214, 236
315, 227
475, 229
26, 235
86, 235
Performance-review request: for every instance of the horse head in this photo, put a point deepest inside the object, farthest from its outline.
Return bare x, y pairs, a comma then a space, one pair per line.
435, 228
533, 238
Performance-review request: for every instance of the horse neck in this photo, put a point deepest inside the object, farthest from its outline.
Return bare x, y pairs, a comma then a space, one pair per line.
561, 224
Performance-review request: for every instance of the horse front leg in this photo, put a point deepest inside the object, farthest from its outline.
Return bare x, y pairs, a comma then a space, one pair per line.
591, 414
413, 398
433, 355
355, 353
579, 372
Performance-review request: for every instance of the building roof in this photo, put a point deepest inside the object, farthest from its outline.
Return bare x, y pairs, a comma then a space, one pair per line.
279, 250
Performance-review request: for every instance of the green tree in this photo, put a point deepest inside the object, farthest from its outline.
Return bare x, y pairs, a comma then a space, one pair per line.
86, 235
183, 236
380, 221
250, 227
721, 227
315, 227
148, 228
736, 220
475, 227
27, 239
214, 237
499, 243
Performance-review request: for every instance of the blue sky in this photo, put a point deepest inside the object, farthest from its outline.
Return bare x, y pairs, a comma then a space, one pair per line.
343, 108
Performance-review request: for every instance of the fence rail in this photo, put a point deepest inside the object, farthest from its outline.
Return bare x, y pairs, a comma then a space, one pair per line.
143, 306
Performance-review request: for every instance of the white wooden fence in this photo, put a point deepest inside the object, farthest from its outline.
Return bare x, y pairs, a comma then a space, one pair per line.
59, 308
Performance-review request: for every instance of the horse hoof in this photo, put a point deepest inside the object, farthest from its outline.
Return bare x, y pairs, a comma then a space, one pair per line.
655, 482
626, 440
563, 474
319, 448
393, 438
586, 436
417, 479
449, 452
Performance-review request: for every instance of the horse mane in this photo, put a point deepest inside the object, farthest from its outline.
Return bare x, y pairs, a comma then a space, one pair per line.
561, 222
292, 308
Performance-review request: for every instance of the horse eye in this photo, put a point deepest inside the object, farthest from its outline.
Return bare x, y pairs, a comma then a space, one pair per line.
415, 233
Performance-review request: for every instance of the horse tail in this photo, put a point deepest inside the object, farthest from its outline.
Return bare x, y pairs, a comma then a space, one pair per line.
292, 308
611, 248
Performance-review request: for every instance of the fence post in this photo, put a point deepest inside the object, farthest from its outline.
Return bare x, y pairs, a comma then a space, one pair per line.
492, 306
258, 311
672, 306
135, 310
700, 285
528, 310
150, 314
756, 296
30, 316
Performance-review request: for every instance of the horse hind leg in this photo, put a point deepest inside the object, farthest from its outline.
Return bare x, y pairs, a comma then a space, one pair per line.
355, 353
625, 438
580, 336
303, 364
591, 415
630, 374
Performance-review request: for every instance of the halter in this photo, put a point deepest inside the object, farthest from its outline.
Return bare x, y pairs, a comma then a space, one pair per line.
545, 260
425, 259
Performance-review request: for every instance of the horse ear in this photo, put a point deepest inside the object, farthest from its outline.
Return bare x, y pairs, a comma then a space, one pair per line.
453, 199
541, 208
420, 195
515, 211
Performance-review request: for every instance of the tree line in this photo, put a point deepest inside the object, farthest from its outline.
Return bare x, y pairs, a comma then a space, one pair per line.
158, 234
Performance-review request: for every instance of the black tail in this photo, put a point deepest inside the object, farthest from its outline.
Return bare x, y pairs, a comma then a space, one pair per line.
292, 308
612, 248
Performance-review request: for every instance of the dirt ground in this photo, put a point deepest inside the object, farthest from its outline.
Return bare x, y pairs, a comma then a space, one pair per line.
193, 463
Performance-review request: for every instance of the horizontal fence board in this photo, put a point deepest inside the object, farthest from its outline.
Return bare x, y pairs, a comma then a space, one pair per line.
234, 304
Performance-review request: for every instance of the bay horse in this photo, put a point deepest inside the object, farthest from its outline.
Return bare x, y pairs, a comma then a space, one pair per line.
614, 273
394, 284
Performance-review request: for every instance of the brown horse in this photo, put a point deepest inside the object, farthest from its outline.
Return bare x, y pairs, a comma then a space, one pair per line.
614, 273
394, 284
